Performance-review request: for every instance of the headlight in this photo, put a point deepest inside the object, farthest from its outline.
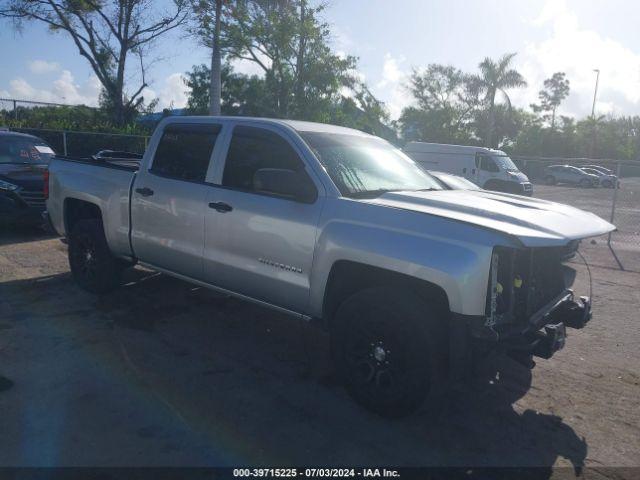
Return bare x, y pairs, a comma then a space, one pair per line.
7, 187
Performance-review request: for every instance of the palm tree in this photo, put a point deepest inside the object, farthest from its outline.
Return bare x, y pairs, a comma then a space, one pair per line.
498, 77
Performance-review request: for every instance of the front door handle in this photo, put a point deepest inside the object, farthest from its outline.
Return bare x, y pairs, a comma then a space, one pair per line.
221, 207
145, 192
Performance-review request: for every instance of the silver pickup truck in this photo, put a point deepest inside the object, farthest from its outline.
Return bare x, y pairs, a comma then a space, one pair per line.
332, 225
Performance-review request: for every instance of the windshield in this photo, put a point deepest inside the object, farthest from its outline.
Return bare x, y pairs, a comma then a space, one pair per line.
17, 149
505, 163
362, 165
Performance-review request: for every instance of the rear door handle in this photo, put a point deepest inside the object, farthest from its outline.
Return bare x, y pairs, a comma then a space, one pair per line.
221, 207
145, 192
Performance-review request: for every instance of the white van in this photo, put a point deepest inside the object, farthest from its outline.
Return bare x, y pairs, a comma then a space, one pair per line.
489, 169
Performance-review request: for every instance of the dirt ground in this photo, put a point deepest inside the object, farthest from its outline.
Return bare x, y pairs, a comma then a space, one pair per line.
162, 373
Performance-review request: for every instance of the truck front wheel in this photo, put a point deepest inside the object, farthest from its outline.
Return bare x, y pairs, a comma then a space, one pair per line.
93, 266
388, 350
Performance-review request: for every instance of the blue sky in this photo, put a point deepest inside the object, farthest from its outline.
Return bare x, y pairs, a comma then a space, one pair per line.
390, 38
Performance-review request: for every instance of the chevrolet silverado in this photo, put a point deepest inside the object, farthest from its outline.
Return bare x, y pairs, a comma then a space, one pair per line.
337, 226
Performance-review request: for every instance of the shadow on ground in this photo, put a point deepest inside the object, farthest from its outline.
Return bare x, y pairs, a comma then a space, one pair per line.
12, 234
164, 373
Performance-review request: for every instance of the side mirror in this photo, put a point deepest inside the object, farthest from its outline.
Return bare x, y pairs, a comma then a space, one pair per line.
284, 183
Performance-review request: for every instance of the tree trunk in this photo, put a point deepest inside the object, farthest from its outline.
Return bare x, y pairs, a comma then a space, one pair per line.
216, 66
553, 118
300, 67
492, 119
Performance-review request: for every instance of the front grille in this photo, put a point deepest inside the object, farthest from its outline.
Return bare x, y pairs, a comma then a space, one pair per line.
33, 198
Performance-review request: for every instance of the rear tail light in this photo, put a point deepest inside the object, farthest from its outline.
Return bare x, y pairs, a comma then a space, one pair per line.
45, 189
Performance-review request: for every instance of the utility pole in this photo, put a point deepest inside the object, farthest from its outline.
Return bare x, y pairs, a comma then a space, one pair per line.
593, 114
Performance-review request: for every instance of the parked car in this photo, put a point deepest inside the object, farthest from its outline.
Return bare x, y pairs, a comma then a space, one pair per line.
569, 175
23, 162
489, 169
600, 169
448, 181
604, 179
330, 224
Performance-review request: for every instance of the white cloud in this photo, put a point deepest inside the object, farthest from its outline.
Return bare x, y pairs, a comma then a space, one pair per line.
391, 87
577, 51
63, 90
40, 67
174, 92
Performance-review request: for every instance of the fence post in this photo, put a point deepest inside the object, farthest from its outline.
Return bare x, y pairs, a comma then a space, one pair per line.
15, 109
613, 203
64, 142
146, 142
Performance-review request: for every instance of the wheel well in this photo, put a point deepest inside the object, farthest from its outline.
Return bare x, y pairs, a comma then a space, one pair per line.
347, 278
75, 210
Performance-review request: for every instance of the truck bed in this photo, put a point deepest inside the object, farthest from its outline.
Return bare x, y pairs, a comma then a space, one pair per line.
103, 182
129, 164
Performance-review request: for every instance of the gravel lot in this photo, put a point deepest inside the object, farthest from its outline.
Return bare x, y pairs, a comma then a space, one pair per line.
626, 241
163, 373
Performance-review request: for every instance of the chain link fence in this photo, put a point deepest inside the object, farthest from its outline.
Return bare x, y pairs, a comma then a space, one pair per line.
620, 206
26, 116
85, 144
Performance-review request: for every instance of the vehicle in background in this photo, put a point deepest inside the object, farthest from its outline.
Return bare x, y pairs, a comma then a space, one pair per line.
489, 169
604, 179
600, 169
333, 225
449, 181
23, 165
570, 175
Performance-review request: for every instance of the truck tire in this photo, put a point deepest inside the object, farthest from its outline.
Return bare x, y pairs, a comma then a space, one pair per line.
93, 266
387, 348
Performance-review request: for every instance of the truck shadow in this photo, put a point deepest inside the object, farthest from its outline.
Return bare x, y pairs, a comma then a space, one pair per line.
218, 361
13, 234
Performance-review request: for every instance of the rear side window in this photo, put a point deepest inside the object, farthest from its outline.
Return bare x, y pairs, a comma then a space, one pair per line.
184, 152
252, 149
24, 149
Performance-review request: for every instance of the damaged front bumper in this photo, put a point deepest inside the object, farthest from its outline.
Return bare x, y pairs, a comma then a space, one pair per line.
544, 333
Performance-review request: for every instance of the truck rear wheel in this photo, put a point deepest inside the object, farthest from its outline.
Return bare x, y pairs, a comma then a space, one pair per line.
93, 266
388, 351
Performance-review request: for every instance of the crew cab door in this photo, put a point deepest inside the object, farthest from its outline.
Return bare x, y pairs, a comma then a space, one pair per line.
260, 243
168, 200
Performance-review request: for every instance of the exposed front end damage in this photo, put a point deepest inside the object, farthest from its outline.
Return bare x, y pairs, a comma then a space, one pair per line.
529, 302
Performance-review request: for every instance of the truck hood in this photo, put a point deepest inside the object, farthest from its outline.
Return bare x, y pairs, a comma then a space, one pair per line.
534, 222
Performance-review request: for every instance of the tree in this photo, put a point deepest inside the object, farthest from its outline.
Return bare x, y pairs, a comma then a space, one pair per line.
497, 77
289, 43
249, 96
207, 27
241, 94
106, 33
556, 89
446, 101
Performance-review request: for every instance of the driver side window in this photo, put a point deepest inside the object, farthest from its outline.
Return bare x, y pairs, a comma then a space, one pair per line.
487, 164
252, 149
